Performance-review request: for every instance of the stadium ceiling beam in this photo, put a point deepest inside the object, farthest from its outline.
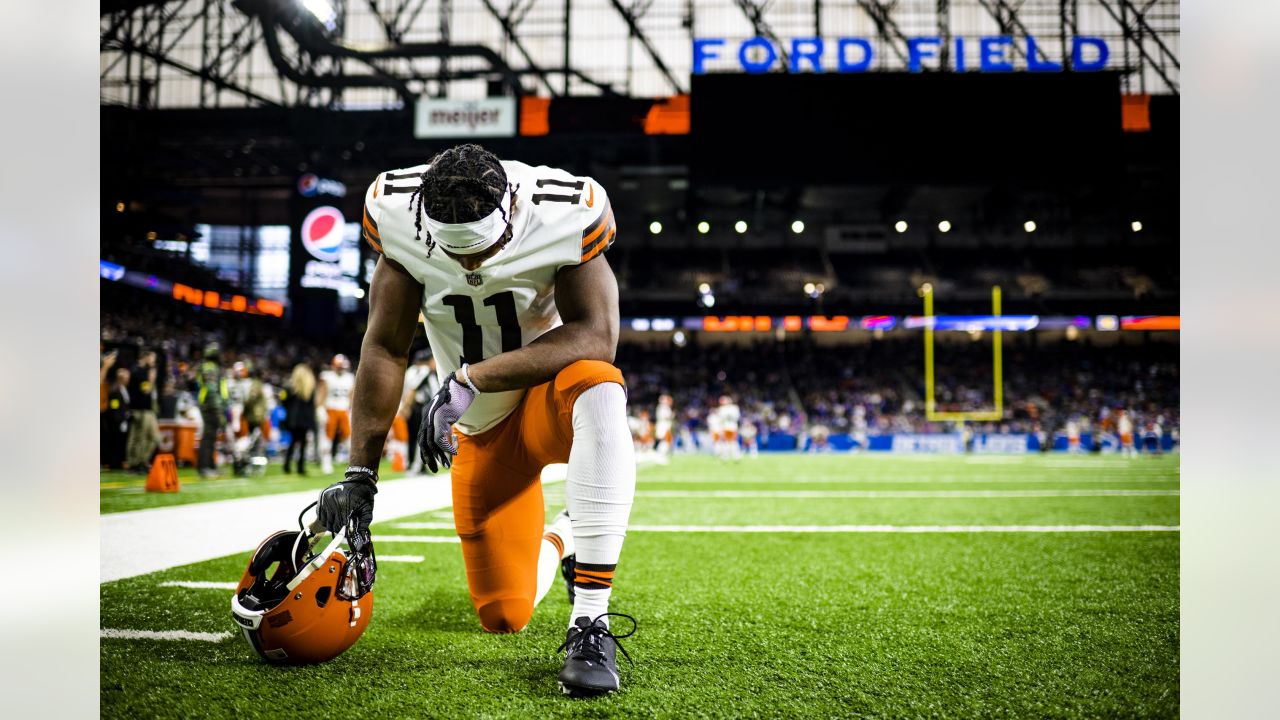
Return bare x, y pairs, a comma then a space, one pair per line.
331, 82
755, 14
221, 83
885, 25
107, 7
637, 33
509, 28
310, 36
1007, 19
388, 25
1157, 63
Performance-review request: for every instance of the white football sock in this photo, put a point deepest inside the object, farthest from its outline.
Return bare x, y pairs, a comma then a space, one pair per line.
551, 554
590, 602
599, 491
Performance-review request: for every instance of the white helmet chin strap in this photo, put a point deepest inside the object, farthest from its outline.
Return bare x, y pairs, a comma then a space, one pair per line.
473, 237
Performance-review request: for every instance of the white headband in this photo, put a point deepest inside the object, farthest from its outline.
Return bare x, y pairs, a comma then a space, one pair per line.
473, 237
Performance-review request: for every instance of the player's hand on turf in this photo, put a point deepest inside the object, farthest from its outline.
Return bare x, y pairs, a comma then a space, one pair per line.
349, 501
435, 439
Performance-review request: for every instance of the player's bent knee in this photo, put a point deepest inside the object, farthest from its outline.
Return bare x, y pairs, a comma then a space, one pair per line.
505, 615
585, 374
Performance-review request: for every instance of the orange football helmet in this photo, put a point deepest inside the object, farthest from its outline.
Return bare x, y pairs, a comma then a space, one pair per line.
296, 606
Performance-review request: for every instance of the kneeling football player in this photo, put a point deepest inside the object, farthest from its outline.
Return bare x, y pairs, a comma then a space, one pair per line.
506, 262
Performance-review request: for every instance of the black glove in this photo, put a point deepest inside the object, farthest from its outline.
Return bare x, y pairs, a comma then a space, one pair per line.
349, 501
435, 437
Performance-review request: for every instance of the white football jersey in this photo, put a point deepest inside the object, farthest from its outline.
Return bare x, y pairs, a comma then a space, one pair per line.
338, 387
664, 418
1125, 425
729, 416
558, 220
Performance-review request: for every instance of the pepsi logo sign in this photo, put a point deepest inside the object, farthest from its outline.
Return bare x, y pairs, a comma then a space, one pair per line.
310, 185
322, 233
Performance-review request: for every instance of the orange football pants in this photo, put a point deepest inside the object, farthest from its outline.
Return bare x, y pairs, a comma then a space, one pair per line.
338, 426
497, 493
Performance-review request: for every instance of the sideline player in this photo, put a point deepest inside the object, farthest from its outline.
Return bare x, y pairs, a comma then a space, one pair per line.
664, 426
506, 263
336, 387
729, 417
1124, 425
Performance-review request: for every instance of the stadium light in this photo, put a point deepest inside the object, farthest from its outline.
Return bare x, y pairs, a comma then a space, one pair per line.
707, 300
944, 226
1029, 226
655, 227
679, 338
704, 289
119, 207
704, 227
322, 11
740, 226
900, 226
797, 227
1136, 225
809, 288
358, 293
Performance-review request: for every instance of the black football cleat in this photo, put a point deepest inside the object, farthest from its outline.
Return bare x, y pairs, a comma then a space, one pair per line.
591, 658
566, 572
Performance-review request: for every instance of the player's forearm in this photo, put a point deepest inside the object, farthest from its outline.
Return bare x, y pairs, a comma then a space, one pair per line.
541, 359
374, 403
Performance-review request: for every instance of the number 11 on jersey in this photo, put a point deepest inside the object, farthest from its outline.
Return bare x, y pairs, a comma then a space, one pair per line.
464, 313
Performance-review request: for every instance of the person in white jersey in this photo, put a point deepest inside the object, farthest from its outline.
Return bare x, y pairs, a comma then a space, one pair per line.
664, 418
730, 417
335, 389
506, 263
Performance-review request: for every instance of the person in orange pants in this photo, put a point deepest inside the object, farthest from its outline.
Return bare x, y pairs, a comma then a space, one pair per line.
506, 263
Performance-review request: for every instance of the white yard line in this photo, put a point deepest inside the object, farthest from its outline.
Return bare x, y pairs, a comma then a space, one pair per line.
199, 585
900, 494
377, 539
143, 541
400, 558
907, 479
164, 635
901, 528
421, 526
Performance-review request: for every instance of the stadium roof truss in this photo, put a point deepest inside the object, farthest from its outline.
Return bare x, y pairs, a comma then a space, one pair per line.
379, 54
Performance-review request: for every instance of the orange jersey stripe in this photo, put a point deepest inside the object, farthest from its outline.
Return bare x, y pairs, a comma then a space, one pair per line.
602, 246
604, 226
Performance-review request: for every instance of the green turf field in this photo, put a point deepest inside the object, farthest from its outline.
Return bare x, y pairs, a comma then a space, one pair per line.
737, 624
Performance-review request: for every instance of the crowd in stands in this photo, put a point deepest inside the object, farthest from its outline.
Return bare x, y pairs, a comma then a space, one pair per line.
878, 387
153, 351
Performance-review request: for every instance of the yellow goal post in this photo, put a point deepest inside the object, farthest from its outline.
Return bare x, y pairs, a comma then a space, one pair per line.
930, 402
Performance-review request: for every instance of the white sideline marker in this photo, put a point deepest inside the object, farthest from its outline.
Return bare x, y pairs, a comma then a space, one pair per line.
199, 585
164, 635
420, 526
417, 538
900, 494
903, 528
905, 479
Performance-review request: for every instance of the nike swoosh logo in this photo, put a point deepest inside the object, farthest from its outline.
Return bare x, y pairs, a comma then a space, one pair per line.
591, 197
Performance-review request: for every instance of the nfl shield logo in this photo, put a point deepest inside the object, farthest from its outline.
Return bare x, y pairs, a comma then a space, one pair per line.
474, 279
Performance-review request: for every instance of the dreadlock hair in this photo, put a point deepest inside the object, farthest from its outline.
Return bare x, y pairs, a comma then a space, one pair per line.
463, 184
